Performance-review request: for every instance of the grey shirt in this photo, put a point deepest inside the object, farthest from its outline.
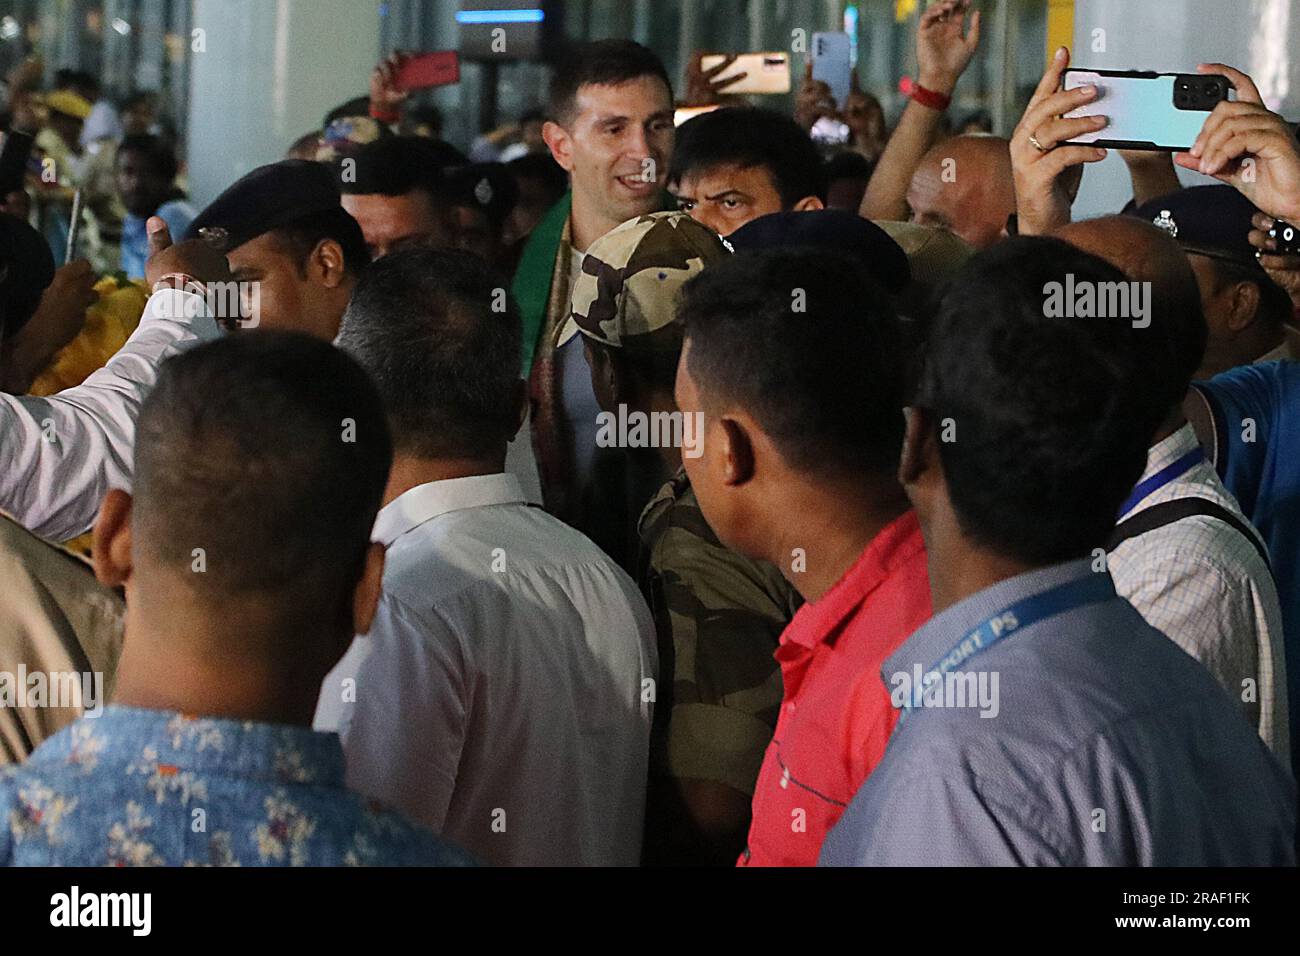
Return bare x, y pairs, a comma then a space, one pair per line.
1108, 745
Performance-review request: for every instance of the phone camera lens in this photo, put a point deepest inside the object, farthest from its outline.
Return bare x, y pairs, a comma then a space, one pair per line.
1211, 89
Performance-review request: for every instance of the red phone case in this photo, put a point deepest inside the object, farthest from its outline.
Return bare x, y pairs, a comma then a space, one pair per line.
429, 69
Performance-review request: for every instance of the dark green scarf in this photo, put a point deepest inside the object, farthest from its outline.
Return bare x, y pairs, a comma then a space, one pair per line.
532, 285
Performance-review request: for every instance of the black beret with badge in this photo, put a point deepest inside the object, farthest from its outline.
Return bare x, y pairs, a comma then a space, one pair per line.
270, 197
489, 187
1212, 221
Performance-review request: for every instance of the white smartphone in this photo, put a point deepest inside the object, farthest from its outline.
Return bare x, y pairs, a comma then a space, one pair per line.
830, 60
1148, 111
765, 73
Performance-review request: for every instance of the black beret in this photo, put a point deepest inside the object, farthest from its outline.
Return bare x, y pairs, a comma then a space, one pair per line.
26, 269
839, 229
486, 186
1207, 220
270, 197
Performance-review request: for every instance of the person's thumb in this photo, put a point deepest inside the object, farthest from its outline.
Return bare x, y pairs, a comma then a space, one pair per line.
160, 236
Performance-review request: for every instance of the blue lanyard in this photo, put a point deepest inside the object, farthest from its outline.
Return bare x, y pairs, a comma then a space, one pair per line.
1093, 589
1160, 479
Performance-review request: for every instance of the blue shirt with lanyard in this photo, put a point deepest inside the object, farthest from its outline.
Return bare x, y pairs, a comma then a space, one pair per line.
1093, 589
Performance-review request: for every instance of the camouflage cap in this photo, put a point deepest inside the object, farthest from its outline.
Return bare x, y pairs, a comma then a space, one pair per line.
630, 277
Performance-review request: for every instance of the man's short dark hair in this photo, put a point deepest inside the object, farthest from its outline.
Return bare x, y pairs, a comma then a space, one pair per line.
269, 452
397, 165
300, 238
156, 150
750, 137
806, 343
846, 164
600, 63
543, 169
1042, 422
443, 342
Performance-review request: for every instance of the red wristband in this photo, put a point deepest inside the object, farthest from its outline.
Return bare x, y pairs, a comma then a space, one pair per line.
387, 118
930, 99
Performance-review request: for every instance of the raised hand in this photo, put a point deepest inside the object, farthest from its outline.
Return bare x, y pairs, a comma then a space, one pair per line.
702, 86
183, 265
814, 99
1249, 147
386, 97
1037, 158
944, 47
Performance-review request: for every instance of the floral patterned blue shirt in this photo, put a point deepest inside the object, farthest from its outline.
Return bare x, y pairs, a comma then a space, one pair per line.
136, 787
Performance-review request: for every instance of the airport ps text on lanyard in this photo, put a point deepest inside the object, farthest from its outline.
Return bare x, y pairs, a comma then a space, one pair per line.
1093, 589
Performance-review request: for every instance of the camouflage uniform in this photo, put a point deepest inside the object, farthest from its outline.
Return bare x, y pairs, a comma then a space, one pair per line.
718, 615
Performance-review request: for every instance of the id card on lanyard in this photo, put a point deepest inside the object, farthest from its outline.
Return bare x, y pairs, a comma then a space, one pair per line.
1093, 589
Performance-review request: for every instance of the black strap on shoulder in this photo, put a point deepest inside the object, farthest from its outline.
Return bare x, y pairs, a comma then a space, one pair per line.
1167, 512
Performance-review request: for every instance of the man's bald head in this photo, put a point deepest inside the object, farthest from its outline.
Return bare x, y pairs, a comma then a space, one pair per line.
1177, 333
965, 185
1136, 248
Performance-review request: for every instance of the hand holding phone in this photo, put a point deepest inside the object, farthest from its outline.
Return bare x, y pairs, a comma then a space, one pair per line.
759, 73
1250, 148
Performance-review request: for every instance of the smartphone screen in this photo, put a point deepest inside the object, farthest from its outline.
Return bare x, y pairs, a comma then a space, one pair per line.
829, 131
830, 53
1154, 111
429, 69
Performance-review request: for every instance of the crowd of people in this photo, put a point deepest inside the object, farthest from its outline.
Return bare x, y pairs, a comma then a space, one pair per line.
621, 493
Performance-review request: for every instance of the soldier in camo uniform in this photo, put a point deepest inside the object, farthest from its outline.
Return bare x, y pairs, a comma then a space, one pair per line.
718, 614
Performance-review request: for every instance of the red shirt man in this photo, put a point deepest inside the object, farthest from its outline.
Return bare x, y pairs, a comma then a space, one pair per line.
836, 716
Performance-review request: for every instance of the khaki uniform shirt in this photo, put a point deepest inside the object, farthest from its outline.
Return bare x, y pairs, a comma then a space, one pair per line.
55, 620
718, 616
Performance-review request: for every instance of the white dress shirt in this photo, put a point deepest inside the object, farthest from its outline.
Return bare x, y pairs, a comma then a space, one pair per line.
503, 695
59, 455
1206, 587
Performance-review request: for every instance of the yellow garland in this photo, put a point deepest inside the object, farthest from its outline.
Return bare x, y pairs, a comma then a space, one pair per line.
109, 323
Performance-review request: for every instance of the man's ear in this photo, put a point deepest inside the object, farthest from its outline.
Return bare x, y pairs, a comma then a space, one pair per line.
737, 451
111, 552
809, 204
920, 454
560, 143
365, 598
327, 264
1245, 305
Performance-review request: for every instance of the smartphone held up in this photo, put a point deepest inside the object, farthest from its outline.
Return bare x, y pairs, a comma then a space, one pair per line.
1146, 111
